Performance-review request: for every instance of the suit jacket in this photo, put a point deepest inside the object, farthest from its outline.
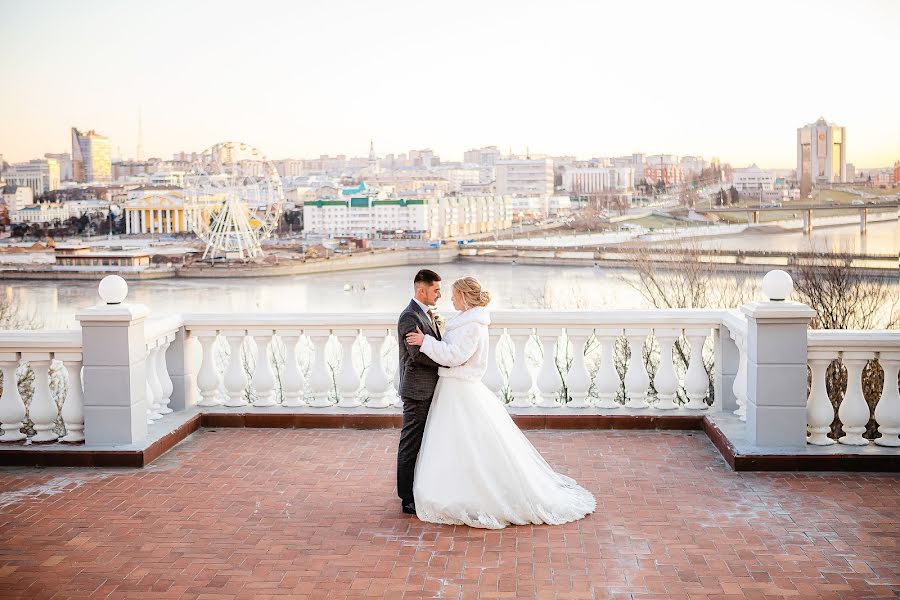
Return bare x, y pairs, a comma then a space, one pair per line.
418, 373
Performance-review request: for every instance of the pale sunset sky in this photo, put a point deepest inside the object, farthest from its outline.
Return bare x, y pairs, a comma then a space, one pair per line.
300, 79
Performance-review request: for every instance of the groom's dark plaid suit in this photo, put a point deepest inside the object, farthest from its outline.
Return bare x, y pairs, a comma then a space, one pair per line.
418, 377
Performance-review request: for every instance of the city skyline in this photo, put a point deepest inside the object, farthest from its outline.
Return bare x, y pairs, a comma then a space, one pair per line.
299, 83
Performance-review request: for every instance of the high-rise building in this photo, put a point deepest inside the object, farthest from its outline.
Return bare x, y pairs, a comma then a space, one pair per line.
91, 161
65, 165
821, 154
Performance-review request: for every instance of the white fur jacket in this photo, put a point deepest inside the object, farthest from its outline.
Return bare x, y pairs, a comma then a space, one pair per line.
464, 348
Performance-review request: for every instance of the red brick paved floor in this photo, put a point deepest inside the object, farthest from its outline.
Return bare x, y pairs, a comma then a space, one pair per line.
243, 513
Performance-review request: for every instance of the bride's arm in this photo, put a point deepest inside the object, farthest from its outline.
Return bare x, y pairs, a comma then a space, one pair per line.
457, 353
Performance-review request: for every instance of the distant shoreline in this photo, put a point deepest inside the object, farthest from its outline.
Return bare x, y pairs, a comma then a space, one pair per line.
348, 262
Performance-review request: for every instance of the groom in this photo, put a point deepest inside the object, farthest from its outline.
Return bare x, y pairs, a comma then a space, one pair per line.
418, 378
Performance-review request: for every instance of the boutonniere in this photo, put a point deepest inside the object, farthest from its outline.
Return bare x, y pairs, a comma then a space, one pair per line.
438, 320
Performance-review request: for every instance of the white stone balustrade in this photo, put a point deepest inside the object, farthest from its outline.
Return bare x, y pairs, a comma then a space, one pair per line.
172, 362
854, 350
49, 401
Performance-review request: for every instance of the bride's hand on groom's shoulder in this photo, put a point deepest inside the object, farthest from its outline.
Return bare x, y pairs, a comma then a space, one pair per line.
415, 338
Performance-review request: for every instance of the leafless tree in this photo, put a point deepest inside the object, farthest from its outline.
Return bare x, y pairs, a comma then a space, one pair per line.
684, 280
845, 298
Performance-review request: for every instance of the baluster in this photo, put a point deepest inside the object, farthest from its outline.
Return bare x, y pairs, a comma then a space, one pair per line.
42, 410
153, 381
376, 379
263, 380
148, 401
519, 377
637, 381
235, 378
493, 379
608, 382
666, 380
739, 387
208, 376
853, 411
73, 406
819, 412
548, 380
398, 401
578, 380
292, 380
696, 381
162, 373
319, 379
12, 409
887, 411
347, 380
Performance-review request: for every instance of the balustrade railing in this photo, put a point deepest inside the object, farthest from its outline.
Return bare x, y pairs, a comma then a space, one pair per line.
844, 371
626, 360
543, 359
41, 399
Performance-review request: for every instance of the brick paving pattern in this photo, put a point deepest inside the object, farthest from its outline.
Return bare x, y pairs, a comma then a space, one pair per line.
255, 513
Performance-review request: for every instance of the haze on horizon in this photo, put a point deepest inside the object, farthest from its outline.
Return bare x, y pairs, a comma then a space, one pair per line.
732, 80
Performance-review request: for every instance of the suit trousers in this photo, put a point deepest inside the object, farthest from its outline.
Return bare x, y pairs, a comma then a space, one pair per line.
415, 413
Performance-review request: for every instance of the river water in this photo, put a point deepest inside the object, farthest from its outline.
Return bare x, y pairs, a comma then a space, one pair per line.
389, 289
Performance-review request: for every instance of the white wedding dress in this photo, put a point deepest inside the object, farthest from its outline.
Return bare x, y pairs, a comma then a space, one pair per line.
475, 466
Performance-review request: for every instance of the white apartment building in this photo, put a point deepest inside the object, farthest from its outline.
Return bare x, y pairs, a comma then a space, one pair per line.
428, 219
458, 177
40, 213
17, 197
525, 177
86, 207
594, 180
753, 179
485, 157
41, 175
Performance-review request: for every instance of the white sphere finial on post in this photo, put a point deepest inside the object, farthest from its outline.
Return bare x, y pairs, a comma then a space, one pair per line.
113, 289
777, 285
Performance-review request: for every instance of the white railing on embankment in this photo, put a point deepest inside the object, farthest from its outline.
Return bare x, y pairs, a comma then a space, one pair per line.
642, 360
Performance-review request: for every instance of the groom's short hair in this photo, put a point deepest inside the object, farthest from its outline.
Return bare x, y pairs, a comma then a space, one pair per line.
426, 277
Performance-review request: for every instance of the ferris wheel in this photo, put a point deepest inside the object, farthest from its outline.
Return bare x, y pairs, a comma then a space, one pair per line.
233, 199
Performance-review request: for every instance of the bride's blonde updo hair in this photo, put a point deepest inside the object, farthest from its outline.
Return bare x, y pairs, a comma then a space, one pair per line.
471, 292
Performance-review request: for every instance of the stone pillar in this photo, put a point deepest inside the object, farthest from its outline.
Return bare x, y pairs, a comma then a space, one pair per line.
182, 371
115, 379
127, 222
776, 365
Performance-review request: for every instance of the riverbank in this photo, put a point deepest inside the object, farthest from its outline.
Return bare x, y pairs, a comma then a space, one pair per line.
346, 262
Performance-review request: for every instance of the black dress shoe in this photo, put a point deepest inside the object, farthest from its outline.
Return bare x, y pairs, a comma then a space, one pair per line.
409, 508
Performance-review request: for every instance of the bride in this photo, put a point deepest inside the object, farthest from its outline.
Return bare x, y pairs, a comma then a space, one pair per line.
475, 466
